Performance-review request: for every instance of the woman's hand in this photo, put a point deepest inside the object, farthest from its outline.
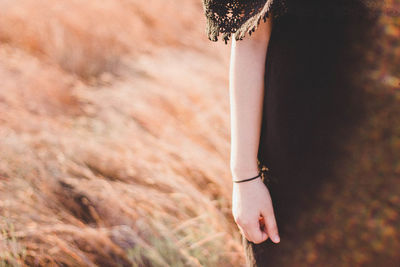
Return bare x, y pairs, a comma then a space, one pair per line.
253, 211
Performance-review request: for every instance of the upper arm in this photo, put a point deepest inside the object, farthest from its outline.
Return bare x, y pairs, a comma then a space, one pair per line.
254, 46
262, 32
259, 38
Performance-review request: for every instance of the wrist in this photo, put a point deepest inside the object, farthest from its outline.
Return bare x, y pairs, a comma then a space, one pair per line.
247, 179
241, 174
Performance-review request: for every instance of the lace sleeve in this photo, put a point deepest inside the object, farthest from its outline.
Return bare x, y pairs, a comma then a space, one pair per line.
238, 16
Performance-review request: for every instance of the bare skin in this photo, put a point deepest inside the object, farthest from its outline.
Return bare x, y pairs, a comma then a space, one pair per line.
251, 201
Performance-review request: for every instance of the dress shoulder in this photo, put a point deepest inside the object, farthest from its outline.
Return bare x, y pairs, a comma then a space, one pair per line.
334, 9
238, 17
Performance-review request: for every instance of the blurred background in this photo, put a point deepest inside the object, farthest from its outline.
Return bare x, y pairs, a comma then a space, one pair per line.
114, 144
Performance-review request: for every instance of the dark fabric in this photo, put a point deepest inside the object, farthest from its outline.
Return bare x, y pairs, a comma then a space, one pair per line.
238, 17
313, 102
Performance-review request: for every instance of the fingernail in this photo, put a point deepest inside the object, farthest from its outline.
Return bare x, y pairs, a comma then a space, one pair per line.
276, 238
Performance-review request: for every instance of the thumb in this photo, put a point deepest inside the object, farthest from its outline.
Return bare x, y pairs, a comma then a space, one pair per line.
271, 227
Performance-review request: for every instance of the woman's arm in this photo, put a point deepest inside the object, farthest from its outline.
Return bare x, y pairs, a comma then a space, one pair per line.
252, 207
246, 87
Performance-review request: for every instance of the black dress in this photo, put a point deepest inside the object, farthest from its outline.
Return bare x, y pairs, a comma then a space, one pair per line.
312, 102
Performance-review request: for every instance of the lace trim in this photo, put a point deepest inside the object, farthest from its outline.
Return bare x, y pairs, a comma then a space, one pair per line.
238, 17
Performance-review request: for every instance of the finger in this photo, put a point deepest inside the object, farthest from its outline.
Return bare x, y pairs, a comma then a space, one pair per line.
255, 232
244, 226
271, 226
264, 236
246, 236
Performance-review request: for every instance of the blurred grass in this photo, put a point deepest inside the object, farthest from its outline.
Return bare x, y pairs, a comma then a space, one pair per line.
99, 166
11, 251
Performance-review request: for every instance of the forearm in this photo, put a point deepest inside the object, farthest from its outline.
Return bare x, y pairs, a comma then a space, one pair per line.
246, 88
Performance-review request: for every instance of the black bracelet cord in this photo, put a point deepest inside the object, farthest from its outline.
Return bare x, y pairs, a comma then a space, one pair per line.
245, 180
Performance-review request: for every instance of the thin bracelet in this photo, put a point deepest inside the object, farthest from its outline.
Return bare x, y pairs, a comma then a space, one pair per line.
245, 180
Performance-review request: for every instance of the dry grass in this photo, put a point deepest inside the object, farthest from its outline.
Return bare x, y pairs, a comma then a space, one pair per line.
93, 38
99, 166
